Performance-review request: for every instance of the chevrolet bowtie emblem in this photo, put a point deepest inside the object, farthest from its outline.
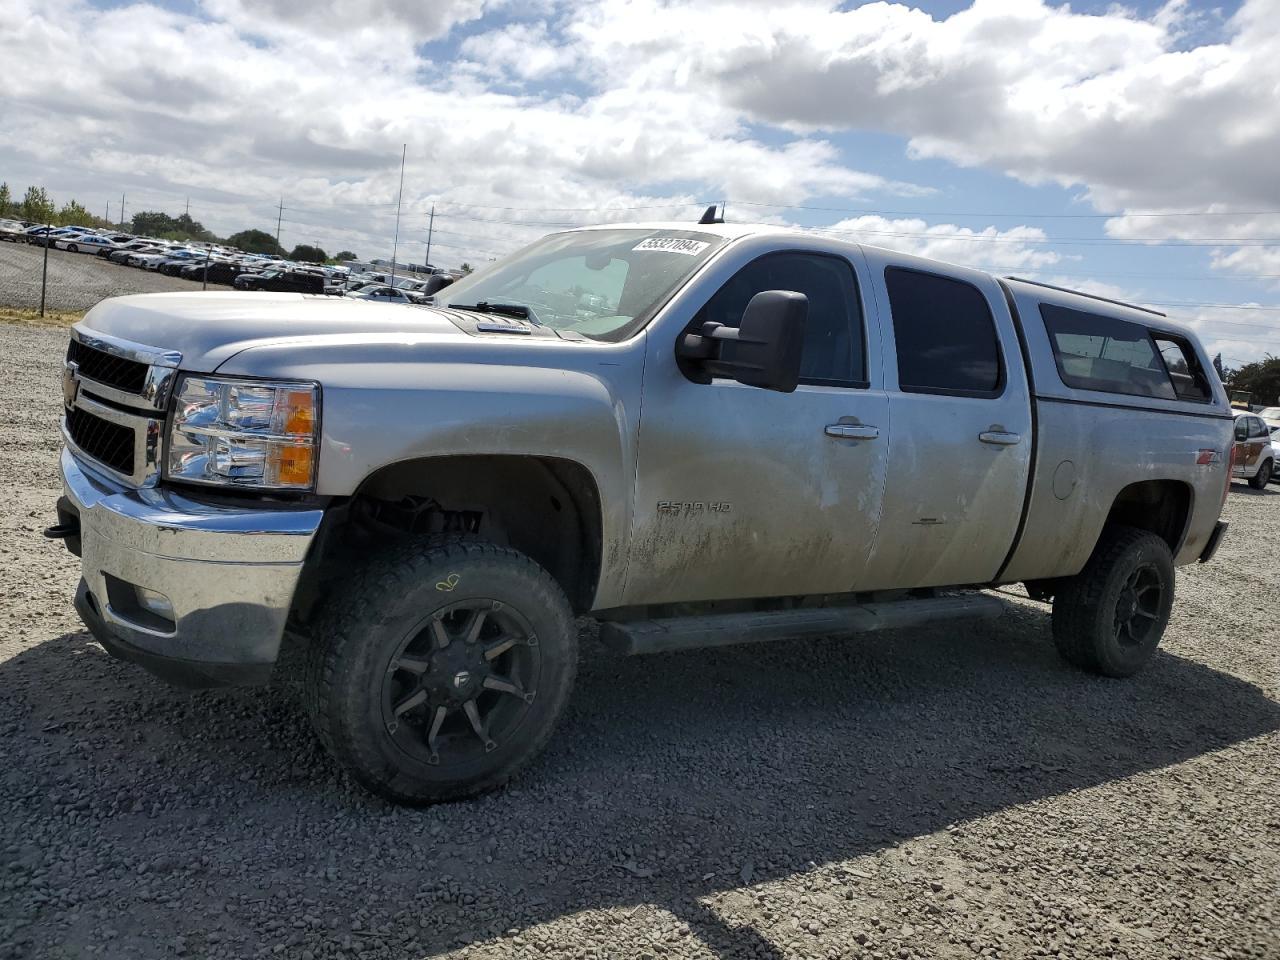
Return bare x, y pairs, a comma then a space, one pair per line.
70, 385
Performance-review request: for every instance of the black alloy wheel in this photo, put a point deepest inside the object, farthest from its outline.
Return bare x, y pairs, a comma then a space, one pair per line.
461, 683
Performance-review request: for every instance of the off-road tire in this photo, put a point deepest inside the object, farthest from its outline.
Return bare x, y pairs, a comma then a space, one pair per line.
1085, 607
1260, 479
362, 626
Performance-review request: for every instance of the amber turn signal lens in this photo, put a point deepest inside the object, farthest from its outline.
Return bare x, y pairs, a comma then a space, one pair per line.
299, 412
294, 463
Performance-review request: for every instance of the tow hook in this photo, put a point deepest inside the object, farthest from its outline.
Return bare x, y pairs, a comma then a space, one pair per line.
67, 529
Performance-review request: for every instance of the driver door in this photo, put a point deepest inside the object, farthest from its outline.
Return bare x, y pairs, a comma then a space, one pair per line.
745, 492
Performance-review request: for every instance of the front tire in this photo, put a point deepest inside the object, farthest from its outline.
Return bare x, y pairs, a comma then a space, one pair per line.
1260, 479
72, 248
441, 669
1109, 618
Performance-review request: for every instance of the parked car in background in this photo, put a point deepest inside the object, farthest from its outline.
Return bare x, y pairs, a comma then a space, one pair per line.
218, 271
294, 281
12, 231
385, 294
84, 243
1253, 459
1275, 454
130, 250
125, 250
1270, 416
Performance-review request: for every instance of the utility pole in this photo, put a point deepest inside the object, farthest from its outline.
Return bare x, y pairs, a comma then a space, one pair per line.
395, 244
187, 212
279, 220
430, 227
122, 210
107, 216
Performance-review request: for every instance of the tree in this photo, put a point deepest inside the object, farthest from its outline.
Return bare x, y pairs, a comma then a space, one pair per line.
345, 255
305, 253
1260, 378
37, 206
255, 241
466, 268
73, 214
152, 223
6, 201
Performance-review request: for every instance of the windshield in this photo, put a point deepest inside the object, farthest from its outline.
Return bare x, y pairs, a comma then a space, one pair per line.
1269, 413
601, 283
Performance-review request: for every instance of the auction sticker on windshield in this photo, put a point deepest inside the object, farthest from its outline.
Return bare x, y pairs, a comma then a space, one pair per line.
673, 245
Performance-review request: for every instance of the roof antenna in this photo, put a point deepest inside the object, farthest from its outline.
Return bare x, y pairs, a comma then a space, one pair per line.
709, 216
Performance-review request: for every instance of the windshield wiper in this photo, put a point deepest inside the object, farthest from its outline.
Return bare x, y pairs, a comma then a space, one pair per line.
517, 310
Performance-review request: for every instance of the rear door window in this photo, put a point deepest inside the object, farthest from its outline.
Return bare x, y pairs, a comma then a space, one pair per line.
1094, 352
945, 335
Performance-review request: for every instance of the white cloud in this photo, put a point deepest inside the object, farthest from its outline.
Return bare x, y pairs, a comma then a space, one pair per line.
994, 249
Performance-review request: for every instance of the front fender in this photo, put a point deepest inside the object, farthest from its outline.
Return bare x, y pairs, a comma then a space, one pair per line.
578, 402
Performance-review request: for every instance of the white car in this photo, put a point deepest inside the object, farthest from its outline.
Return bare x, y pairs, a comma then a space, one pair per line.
147, 260
382, 294
83, 243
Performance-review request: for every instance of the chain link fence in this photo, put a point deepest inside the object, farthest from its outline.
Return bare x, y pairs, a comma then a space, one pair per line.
73, 282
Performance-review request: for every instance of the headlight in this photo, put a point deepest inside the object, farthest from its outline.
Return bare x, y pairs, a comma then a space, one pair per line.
244, 433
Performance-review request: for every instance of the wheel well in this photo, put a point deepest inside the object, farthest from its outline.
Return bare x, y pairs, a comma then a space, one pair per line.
1160, 506
545, 507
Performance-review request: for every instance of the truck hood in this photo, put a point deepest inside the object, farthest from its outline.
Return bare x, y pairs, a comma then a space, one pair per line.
208, 328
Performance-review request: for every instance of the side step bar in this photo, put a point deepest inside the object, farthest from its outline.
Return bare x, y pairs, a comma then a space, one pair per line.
721, 630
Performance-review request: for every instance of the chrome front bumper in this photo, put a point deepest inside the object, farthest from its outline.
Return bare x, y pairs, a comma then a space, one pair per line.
227, 572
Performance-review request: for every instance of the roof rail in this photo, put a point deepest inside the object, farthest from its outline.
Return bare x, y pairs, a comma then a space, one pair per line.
1091, 296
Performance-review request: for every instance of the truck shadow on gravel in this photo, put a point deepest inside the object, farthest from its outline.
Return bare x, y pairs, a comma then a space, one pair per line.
671, 779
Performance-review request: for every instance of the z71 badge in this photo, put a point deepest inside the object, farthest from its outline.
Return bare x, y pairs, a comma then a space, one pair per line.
687, 508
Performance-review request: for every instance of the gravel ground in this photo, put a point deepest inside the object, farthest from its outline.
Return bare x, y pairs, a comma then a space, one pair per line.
77, 281
949, 792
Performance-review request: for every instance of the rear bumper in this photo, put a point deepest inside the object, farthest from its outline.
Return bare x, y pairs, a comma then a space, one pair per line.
1215, 538
228, 575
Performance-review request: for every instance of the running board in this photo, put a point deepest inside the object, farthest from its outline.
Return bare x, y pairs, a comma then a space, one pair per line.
721, 630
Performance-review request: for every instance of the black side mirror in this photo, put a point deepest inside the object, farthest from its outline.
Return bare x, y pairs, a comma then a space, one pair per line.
437, 282
763, 352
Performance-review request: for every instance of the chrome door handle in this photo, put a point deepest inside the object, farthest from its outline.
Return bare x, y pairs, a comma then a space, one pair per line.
999, 438
852, 431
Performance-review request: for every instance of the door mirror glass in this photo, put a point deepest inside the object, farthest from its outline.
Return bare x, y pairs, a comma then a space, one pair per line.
764, 351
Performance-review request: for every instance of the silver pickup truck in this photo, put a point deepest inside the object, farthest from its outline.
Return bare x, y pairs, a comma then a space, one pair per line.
696, 434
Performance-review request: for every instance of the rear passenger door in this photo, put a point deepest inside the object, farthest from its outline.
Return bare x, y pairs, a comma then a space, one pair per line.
960, 428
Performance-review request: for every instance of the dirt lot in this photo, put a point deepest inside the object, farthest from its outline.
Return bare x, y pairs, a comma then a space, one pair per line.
77, 281
950, 792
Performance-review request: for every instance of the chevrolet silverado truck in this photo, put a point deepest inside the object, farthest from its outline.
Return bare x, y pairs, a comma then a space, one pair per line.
694, 434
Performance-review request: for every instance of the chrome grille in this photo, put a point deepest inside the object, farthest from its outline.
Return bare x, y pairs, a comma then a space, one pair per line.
109, 443
100, 366
115, 392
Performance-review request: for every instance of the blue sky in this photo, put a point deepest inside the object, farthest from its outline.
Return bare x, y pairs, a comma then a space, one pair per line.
1009, 134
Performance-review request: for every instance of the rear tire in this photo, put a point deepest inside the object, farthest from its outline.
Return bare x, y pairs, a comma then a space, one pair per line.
1109, 618
1260, 479
441, 669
